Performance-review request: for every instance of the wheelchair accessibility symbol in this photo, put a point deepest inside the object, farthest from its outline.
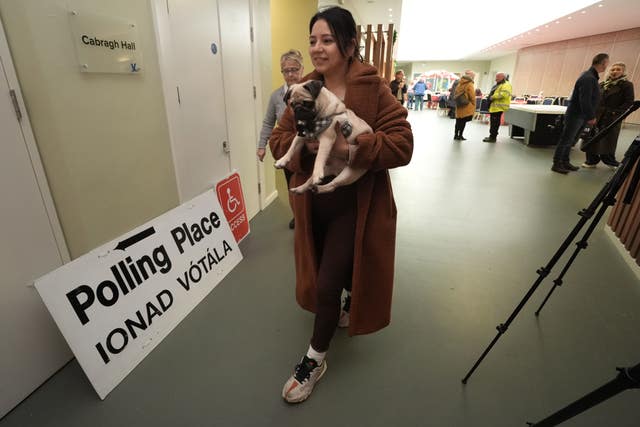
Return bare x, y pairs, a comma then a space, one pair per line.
229, 192
232, 202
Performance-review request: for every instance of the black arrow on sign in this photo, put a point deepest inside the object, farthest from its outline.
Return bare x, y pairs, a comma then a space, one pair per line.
124, 244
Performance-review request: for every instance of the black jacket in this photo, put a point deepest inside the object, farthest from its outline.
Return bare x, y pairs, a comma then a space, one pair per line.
614, 101
394, 88
585, 95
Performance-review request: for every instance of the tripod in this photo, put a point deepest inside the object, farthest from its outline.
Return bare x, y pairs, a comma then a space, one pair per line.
606, 197
627, 378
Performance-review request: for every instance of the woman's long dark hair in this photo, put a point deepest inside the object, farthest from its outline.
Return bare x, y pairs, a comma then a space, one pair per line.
343, 28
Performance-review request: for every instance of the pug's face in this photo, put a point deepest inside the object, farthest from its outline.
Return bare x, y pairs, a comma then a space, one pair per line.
302, 99
303, 93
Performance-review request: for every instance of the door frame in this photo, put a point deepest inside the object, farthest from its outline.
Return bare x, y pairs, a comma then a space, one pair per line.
32, 148
254, 10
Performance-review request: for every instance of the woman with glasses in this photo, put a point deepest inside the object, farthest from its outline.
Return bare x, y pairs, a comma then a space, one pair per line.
292, 69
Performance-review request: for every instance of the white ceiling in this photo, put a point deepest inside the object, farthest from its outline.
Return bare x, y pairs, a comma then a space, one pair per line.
423, 18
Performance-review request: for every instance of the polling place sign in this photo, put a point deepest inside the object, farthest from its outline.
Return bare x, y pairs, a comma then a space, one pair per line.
116, 303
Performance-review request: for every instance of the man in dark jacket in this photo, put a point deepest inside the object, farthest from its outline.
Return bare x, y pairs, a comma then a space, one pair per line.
581, 111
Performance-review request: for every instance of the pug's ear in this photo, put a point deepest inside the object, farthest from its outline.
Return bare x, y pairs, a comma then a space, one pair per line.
313, 86
286, 97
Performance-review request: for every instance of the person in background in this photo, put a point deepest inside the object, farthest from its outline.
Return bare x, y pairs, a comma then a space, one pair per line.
398, 87
616, 96
581, 110
419, 90
465, 98
410, 95
500, 99
451, 103
344, 239
292, 69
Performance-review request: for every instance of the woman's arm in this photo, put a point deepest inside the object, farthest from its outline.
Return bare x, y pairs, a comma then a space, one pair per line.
391, 144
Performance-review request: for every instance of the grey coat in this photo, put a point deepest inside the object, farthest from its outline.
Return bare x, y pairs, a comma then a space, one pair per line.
275, 109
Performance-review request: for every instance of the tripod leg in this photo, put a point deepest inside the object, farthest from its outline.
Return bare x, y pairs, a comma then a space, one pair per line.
582, 244
608, 197
627, 378
611, 187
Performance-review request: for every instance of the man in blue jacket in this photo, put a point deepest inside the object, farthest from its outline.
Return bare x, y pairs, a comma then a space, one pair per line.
581, 111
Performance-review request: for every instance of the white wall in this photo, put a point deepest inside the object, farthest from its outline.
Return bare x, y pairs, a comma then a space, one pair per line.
103, 138
505, 64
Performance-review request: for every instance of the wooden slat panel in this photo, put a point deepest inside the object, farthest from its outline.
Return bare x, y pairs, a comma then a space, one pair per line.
625, 219
537, 66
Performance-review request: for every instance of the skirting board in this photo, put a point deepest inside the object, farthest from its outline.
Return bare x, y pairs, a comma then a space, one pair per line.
624, 253
270, 198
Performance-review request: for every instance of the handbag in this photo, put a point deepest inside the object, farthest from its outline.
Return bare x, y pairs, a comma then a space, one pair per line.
585, 136
462, 100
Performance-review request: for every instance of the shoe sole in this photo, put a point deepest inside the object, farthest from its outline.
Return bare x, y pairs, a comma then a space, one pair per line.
303, 398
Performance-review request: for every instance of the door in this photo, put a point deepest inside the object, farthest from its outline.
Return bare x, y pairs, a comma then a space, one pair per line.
31, 245
205, 57
240, 95
189, 43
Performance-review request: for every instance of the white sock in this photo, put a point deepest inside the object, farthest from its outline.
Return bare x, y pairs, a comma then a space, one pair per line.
316, 355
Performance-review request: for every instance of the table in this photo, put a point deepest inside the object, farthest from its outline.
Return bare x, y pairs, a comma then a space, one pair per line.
536, 123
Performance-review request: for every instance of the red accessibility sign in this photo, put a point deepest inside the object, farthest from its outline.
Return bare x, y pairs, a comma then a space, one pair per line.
229, 192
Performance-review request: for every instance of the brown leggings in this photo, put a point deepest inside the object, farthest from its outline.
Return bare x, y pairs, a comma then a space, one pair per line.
334, 226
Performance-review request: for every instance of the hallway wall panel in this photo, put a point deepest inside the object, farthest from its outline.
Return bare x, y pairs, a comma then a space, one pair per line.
554, 67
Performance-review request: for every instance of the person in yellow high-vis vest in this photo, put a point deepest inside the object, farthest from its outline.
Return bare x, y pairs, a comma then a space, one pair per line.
500, 99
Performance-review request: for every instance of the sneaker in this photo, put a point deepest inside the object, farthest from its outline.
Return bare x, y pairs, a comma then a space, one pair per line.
611, 163
343, 321
571, 167
306, 374
489, 139
589, 165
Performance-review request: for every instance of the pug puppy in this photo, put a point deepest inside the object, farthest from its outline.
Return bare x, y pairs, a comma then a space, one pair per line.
317, 110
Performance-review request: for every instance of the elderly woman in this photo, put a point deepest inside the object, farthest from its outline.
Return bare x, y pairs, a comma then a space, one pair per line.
465, 99
616, 95
292, 70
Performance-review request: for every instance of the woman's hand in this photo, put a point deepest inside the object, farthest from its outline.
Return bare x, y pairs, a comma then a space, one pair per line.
340, 149
260, 153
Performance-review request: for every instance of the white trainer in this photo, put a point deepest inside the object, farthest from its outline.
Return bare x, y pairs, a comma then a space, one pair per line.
343, 322
307, 373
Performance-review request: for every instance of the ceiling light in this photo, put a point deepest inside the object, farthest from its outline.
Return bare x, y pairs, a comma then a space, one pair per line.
546, 26
390, 9
569, 17
600, 5
584, 11
557, 22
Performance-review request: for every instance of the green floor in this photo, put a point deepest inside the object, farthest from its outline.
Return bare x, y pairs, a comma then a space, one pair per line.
475, 222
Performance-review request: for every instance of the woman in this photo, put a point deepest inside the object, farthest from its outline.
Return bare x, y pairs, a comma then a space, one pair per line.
616, 95
345, 239
465, 99
292, 69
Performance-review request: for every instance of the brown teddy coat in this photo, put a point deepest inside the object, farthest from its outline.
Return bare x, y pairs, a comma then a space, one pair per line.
391, 145
466, 86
